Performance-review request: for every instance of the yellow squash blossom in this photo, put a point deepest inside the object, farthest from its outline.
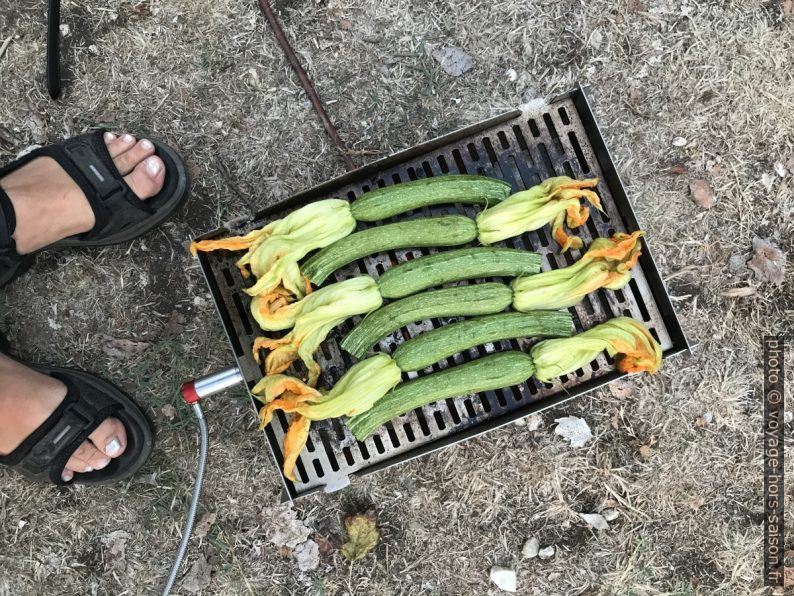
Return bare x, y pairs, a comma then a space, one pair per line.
320, 312
626, 340
555, 200
606, 264
356, 392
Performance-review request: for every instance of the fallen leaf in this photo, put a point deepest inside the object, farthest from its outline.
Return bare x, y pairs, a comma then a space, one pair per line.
326, 545
204, 524
362, 535
307, 555
175, 323
788, 576
702, 193
789, 554
768, 262
788, 8
695, 502
123, 348
168, 411
635, 5
504, 578
116, 544
454, 61
645, 451
345, 24
283, 526
199, 575
573, 429
677, 169
595, 520
36, 123
742, 292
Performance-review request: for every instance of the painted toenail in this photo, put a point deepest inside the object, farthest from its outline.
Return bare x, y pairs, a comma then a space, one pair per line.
109, 136
67, 475
147, 144
153, 166
112, 447
88, 469
128, 138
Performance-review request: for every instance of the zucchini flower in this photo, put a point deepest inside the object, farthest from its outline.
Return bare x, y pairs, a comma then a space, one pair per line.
274, 251
356, 392
556, 200
626, 340
606, 264
320, 312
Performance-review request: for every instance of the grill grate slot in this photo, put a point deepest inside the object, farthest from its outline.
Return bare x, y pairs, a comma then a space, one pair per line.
522, 150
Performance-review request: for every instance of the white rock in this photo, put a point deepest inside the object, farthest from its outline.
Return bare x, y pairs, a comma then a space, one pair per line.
547, 552
504, 578
511, 74
531, 548
767, 180
574, 429
788, 417
780, 169
65, 30
534, 422
679, 142
708, 417
93, 49
610, 514
307, 555
595, 520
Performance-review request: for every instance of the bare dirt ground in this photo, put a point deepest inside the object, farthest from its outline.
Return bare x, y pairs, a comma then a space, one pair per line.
208, 77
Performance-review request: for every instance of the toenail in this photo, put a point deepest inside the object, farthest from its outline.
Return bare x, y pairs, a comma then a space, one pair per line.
128, 138
153, 166
109, 136
67, 475
147, 144
112, 447
88, 469
103, 462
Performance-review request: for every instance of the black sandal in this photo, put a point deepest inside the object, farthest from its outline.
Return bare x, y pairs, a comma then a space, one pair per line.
89, 400
120, 215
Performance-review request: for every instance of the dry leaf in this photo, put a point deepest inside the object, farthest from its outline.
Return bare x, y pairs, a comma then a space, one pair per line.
454, 61
768, 262
573, 429
677, 169
595, 520
635, 5
199, 575
307, 555
645, 451
695, 502
788, 577
283, 526
743, 292
116, 544
362, 535
345, 24
175, 323
168, 411
326, 545
123, 348
702, 193
204, 524
788, 8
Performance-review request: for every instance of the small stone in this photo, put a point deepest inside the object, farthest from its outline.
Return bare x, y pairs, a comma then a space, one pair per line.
547, 552
504, 578
610, 514
66, 31
534, 422
708, 417
595, 520
767, 180
780, 169
531, 548
788, 417
511, 74
679, 142
737, 264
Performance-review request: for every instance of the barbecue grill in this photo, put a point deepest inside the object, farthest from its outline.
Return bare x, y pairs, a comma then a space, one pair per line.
522, 147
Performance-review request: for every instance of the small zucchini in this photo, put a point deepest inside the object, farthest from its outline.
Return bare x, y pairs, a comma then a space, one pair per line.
454, 265
399, 198
428, 348
494, 371
447, 230
470, 300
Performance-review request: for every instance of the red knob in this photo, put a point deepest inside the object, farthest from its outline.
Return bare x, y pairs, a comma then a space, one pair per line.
189, 394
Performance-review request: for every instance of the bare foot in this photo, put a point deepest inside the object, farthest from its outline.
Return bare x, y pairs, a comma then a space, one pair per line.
49, 205
27, 398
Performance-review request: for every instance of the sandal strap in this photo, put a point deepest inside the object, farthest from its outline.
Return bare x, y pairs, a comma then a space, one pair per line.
10, 259
48, 448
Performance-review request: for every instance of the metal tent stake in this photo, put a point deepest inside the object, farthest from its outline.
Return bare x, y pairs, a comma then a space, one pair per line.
192, 392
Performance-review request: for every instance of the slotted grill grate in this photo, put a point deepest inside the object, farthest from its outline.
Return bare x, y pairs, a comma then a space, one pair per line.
523, 149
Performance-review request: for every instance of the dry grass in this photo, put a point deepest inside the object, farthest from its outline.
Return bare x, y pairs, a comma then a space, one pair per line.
208, 77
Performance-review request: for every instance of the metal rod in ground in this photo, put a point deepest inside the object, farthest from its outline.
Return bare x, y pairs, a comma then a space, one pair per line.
264, 6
